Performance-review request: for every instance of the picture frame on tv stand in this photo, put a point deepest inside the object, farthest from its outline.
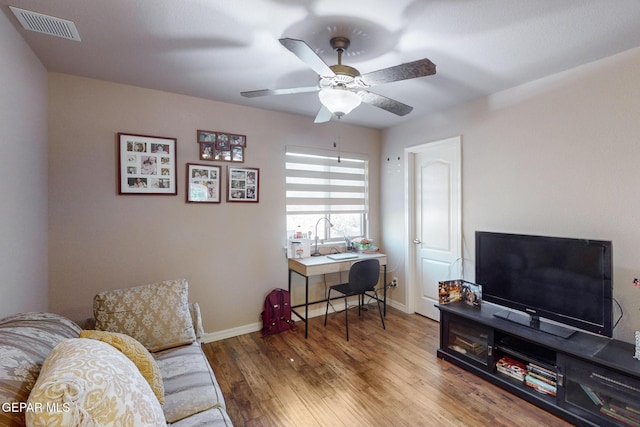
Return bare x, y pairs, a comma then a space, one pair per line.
459, 290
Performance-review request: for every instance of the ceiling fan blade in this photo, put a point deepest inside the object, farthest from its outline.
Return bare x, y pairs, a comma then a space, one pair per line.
308, 56
410, 70
291, 91
324, 115
391, 105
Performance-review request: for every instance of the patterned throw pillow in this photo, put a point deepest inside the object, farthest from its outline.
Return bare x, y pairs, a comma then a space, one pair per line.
136, 352
156, 315
89, 383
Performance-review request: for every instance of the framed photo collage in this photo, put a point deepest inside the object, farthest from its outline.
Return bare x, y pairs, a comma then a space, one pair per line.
148, 166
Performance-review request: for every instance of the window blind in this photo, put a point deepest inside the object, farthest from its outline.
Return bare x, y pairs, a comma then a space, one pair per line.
323, 182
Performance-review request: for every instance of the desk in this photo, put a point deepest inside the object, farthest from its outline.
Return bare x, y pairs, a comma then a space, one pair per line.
312, 266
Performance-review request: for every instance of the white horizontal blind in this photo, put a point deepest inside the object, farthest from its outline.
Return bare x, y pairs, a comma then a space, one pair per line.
323, 182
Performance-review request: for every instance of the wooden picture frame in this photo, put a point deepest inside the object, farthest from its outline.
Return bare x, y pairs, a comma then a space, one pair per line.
206, 136
203, 183
243, 184
207, 150
146, 165
221, 146
237, 153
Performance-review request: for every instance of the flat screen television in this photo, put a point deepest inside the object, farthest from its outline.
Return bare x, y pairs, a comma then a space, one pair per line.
566, 280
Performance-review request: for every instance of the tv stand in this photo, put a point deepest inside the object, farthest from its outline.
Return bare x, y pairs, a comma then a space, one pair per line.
587, 379
534, 322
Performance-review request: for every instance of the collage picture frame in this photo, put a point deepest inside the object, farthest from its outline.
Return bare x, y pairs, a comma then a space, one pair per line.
203, 183
221, 146
146, 164
243, 184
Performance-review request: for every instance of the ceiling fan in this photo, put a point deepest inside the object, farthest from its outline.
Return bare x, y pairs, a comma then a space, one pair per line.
341, 87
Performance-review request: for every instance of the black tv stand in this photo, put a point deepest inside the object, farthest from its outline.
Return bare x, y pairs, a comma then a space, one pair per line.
587, 379
534, 322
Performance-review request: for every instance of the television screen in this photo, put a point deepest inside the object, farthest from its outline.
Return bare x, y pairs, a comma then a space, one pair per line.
562, 279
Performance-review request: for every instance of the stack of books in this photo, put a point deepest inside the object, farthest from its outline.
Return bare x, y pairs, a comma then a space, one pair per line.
613, 408
469, 345
541, 379
511, 368
620, 411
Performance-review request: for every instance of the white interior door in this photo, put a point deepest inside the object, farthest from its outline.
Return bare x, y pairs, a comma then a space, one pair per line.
437, 221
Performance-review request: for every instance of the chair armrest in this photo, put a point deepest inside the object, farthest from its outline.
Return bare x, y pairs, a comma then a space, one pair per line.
194, 310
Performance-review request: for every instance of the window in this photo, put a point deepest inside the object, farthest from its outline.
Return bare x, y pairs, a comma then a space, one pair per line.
325, 184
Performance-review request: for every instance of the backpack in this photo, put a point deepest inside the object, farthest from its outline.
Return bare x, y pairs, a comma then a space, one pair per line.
276, 316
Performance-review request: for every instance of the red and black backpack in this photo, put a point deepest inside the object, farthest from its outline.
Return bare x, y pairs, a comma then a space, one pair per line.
276, 316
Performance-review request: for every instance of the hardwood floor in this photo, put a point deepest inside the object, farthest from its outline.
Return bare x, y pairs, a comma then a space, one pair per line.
380, 377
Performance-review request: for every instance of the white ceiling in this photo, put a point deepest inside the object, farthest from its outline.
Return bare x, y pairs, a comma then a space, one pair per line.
215, 49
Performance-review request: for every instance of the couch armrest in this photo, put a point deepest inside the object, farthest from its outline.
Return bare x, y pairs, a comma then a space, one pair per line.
194, 310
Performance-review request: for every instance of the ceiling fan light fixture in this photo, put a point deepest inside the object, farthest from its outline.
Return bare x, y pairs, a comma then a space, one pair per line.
339, 101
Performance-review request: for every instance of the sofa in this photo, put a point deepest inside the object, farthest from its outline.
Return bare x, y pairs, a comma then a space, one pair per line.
137, 363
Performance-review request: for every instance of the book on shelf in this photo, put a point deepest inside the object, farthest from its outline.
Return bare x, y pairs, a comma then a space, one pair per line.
619, 417
511, 367
510, 373
473, 335
540, 386
472, 346
543, 378
621, 409
595, 398
542, 373
542, 370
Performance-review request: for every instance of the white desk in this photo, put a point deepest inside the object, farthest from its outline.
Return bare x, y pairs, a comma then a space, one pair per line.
312, 266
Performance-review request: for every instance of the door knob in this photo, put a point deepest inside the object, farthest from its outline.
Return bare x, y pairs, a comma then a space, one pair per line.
417, 241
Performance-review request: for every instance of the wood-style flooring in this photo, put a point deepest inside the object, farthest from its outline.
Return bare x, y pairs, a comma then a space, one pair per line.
380, 377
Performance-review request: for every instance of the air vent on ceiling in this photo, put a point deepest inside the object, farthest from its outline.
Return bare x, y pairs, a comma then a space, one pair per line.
46, 24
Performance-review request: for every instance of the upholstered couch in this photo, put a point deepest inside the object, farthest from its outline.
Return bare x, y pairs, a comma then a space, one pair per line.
139, 363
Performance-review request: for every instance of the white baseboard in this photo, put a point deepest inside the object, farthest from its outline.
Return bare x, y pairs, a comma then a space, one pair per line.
230, 333
255, 327
397, 305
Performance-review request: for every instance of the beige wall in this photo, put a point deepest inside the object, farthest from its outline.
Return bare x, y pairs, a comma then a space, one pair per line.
555, 157
23, 172
231, 253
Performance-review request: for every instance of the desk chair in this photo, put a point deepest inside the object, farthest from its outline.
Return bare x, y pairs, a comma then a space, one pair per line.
363, 278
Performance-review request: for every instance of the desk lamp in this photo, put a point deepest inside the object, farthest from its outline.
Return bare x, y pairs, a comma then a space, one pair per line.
317, 252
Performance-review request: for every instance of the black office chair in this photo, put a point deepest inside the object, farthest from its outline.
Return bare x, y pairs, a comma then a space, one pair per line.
363, 278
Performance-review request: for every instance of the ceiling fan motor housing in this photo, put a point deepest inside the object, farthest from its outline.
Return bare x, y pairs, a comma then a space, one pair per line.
340, 44
345, 70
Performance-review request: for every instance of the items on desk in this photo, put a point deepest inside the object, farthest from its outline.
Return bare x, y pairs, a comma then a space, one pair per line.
342, 255
299, 248
302, 247
364, 245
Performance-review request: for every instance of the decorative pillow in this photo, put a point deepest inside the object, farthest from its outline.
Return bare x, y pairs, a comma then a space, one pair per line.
157, 315
87, 382
136, 352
